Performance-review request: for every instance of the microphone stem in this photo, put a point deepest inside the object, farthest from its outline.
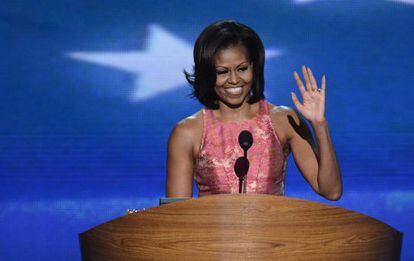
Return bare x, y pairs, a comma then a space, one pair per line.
240, 185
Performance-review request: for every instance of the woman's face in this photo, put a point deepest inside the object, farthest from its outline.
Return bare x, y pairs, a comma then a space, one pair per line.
234, 74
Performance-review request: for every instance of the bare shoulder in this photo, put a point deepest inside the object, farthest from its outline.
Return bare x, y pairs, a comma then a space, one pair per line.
189, 125
188, 132
283, 120
282, 113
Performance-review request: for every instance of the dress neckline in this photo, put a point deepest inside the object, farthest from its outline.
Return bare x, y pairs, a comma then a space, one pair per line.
259, 112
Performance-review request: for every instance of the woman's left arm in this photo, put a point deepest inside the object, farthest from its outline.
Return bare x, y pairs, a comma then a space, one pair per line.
321, 169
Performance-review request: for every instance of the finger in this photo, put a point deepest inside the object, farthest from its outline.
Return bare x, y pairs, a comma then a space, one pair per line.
306, 76
299, 83
312, 80
323, 85
296, 101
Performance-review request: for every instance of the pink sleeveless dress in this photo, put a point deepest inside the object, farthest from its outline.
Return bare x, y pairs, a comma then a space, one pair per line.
214, 167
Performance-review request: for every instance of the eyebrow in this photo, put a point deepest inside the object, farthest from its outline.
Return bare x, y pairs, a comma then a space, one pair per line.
236, 66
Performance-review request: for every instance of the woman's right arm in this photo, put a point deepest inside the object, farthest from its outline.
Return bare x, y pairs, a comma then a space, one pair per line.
180, 162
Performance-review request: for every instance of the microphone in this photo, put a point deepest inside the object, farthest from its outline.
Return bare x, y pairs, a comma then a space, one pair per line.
241, 167
245, 141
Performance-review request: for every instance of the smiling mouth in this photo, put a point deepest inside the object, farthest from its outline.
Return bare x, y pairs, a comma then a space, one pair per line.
234, 90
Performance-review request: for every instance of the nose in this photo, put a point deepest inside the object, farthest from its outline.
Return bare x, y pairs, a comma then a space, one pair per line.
234, 78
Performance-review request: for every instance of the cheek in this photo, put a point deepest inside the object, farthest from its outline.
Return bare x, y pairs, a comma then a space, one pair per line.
220, 81
249, 77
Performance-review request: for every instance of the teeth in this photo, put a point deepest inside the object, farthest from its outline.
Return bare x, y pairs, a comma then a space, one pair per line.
235, 90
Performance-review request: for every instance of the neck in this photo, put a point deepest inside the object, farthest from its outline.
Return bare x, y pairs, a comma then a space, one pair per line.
239, 113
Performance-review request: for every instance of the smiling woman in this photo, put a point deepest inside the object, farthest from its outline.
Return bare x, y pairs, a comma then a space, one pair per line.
228, 80
234, 75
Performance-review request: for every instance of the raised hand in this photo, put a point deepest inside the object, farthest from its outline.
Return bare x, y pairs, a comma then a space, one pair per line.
313, 105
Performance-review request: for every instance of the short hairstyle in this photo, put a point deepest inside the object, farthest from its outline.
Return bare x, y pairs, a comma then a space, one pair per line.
218, 36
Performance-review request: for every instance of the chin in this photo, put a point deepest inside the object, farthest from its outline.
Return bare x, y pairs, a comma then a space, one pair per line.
234, 102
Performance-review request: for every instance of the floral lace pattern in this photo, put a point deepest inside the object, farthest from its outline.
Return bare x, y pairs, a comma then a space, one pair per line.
214, 167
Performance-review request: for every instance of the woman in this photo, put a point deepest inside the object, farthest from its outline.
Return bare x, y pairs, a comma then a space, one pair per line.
228, 81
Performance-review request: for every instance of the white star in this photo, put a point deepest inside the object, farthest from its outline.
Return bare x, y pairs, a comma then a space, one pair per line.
159, 68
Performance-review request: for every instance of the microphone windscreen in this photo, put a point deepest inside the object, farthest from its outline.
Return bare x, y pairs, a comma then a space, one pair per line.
245, 139
241, 167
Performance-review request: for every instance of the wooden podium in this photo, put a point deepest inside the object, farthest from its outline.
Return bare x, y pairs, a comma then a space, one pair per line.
242, 227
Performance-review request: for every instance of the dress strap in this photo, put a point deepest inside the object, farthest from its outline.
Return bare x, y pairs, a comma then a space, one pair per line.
208, 117
208, 121
263, 107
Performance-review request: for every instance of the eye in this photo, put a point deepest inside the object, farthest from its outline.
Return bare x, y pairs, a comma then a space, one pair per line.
221, 72
242, 69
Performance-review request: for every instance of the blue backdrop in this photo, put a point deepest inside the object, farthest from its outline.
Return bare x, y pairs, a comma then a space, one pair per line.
90, 91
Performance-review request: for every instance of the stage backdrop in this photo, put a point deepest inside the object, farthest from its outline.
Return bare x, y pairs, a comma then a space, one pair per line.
90, 91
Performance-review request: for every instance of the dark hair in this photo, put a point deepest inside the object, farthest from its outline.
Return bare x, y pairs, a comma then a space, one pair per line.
213, 38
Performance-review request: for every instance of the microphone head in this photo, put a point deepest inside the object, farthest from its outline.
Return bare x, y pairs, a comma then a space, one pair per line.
245, 140
241, 167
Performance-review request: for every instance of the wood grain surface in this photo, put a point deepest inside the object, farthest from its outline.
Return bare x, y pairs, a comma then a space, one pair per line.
242, 227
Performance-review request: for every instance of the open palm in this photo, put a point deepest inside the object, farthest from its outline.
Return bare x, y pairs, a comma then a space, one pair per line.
313, 105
